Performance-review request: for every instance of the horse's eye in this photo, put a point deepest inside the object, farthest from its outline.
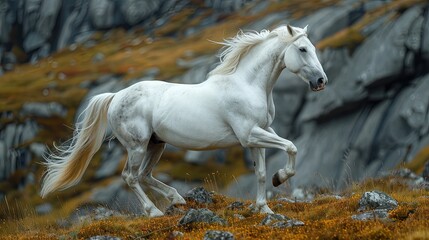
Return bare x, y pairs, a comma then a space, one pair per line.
303, 50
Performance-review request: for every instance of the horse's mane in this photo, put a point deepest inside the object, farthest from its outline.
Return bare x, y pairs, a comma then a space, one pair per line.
239, 45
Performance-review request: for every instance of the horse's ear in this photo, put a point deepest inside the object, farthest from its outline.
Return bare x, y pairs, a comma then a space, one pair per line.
305, 29
290, 30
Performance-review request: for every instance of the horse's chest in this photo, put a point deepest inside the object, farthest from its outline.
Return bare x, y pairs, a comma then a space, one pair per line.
254, 109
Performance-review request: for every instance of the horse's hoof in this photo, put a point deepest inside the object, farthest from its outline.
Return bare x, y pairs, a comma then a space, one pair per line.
276, 180
156, 213
266, 210
178, 201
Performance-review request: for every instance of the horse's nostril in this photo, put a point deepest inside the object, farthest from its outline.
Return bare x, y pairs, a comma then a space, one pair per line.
320, 81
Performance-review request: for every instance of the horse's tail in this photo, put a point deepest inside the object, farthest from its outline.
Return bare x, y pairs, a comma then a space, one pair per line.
66, 168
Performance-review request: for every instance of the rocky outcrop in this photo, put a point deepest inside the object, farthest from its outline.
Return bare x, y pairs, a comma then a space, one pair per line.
46, 26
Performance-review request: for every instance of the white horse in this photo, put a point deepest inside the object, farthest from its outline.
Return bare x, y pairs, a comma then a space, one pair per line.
233, 106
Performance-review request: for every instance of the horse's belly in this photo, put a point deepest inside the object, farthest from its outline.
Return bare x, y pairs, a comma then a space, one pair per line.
196, 135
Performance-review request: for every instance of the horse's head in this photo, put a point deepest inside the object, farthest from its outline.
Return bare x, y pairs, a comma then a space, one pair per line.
300, 58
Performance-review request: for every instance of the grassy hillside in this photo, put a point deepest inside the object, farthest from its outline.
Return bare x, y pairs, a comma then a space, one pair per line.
326, 217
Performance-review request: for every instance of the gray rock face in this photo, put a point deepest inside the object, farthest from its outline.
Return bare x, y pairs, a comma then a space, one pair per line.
370, 65
225, 6
376, 200
117, 197
199, 195
43, 109
218, 235
201, 215
110, 160
41, 24
12, 155
136, 10
102, 13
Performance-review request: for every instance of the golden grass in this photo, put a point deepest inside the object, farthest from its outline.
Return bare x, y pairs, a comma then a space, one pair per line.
324, 218
418, 163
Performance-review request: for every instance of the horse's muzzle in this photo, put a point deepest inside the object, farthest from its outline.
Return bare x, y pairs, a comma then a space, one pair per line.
317, 85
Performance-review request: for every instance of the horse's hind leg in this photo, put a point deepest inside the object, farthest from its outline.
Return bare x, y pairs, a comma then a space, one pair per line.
154, 152
130, 175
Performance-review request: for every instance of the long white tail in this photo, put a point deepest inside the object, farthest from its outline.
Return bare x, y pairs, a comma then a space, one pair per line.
66, 168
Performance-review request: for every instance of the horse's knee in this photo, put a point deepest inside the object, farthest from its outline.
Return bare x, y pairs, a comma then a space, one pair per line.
129, 179
291, 149
261, 176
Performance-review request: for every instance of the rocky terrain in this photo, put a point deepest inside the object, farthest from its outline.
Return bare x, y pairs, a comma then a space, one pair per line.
55, 55
397, 209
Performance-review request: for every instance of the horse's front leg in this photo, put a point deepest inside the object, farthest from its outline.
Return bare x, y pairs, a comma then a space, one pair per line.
258, 155
259, 137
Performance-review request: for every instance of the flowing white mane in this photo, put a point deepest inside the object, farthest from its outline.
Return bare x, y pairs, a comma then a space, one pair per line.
239, 45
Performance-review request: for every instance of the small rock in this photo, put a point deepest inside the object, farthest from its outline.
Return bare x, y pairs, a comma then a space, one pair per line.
372, 215
43, 109
288, 223
218, 235
103, 238
175, 234
270, 219
44, 209
201, 215
199, 194
239, 216
376, 200
235, 205
280, 221
173, 210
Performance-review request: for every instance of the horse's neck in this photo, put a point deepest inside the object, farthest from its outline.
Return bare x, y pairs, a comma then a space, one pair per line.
262, 65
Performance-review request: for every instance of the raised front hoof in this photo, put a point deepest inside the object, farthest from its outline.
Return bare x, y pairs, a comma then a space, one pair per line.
276, 180
281, 176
